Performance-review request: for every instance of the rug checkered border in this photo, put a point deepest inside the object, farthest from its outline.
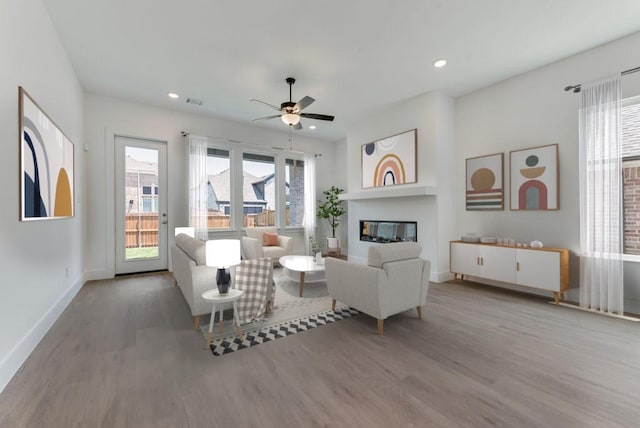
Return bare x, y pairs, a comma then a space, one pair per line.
226, 345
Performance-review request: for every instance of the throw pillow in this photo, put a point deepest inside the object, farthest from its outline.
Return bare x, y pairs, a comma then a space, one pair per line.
269, 239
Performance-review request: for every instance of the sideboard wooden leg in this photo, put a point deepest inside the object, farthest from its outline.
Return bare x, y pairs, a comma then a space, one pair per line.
556, 297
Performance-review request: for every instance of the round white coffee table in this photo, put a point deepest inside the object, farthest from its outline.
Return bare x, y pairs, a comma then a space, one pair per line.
302, 269
216, 299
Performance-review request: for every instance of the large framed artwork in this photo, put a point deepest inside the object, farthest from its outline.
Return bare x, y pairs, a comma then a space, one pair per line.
46, 165
485, 183
534, 178
390, 161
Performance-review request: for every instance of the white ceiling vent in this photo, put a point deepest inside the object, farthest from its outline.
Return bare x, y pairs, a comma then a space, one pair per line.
194, 101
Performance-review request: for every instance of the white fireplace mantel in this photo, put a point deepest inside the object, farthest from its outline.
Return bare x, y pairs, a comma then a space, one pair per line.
392, 192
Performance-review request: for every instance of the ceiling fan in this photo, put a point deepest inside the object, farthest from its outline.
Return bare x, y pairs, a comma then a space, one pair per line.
291, 112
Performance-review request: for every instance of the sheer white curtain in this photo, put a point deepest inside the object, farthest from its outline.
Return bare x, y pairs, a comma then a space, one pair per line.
309, 220
601, 223
198, 186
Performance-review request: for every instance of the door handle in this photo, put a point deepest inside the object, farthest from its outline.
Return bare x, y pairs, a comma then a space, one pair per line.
164, 218
517, 266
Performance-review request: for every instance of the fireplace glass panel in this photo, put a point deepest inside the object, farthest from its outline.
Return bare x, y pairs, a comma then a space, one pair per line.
384, 231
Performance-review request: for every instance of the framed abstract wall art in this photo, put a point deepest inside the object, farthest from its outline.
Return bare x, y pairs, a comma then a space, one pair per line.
390, 161
534, 178
46, 165
485, 183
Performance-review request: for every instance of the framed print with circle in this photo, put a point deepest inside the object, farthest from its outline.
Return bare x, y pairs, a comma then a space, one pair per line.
485, 183
534, 178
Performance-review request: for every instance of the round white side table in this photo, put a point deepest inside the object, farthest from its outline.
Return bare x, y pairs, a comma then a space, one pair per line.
216, 299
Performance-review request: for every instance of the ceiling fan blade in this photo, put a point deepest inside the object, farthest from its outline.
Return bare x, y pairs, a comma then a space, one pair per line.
317, 116
305, 102
267, 104
297, 126
267, 117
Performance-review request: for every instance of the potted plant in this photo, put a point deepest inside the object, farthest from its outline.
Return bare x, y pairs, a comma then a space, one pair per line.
331, 209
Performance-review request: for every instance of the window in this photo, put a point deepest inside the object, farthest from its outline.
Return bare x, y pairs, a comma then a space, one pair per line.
258, 190
294, 191
149, 204
631, 174
259, 184
218, 189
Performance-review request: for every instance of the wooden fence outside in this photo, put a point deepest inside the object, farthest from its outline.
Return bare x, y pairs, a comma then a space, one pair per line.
141, 230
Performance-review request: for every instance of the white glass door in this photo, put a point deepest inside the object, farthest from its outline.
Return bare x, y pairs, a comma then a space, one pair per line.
141, 205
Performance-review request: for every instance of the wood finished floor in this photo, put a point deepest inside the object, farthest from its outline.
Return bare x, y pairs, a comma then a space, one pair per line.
124, 354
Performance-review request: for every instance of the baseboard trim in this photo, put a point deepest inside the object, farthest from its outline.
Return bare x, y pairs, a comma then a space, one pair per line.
92, 275
441, 276
10, 364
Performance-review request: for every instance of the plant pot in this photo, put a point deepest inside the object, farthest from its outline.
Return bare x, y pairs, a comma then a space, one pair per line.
333, 245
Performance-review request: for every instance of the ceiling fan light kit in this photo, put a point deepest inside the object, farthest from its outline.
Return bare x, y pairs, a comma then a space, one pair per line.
290, 119
291, 112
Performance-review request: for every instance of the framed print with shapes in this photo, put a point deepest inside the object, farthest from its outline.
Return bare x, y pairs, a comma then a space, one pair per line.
534, 176
390, 161
46, 165
485, 183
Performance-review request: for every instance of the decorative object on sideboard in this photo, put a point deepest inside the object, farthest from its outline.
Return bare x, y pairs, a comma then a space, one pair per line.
222, 254
470, 237
489, 240
390, 161
485, 183
536, 244
534, 178
46, 165
332, 209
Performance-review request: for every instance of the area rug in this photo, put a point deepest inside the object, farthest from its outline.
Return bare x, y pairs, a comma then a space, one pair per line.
290, 314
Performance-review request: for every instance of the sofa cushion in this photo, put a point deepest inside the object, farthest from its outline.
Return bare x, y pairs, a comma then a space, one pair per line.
383, 253
194, 248
269, 239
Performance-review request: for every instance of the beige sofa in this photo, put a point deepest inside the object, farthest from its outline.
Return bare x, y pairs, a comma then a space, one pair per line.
252, 247
192, 274
394, 280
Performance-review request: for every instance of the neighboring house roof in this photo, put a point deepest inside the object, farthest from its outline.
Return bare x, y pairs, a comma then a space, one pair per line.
220, 185
132, 164
631, 130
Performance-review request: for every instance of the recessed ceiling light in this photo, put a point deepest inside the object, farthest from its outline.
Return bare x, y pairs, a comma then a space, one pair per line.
173, 95
439, 63
312, 127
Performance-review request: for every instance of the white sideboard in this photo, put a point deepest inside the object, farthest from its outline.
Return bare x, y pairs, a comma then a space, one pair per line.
543, 268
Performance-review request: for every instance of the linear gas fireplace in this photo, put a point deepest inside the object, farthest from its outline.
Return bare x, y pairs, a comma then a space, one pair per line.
388, 231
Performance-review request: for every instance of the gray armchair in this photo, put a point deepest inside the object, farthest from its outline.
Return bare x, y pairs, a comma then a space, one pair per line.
253, 248
394, 280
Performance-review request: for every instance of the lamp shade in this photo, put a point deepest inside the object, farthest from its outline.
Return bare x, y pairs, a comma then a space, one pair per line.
222, 253
186, 230
290, 118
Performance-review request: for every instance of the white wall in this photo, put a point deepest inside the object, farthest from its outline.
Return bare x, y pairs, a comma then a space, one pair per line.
432, 115
107, 116
532, 110
35, 256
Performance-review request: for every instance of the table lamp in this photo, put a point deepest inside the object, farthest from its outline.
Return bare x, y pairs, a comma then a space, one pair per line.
223, 253
190, 231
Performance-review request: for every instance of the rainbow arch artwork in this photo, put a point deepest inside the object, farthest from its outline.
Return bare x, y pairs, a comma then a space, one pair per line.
46, 160
390, 161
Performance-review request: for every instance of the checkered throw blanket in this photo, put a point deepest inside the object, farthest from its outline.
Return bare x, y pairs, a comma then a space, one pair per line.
254, 276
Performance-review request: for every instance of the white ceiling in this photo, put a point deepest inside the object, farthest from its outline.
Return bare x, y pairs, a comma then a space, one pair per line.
352, 56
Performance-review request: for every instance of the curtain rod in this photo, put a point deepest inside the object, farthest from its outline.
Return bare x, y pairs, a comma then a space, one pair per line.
256, 146
578, 87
